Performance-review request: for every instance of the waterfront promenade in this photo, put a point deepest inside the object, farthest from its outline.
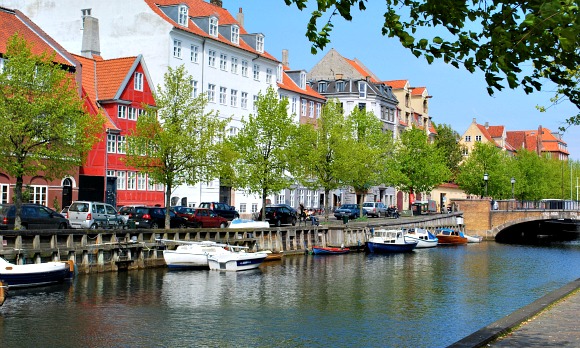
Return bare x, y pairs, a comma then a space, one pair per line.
551, 321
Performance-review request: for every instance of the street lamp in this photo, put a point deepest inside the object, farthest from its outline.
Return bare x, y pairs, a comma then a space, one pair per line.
513, 183
485, 178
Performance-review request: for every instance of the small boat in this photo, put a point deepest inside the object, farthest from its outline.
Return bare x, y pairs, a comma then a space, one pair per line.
447, 236
473, 239
34, 274
2, 293
191, 254
318, 250
423, 237
247, 223
235, 259
271, 256
390, 241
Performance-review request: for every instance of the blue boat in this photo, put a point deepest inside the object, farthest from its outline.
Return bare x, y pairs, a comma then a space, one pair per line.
390, 241
34, 274
318, 250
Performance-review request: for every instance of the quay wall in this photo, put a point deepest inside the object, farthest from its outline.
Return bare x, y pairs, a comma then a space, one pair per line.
114, 250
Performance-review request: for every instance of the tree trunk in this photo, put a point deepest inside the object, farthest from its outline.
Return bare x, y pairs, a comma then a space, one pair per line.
18, 202
167, 206
326, 204
263, 217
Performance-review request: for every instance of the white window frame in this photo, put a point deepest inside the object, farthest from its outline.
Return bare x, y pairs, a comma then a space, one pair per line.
302, 80
111, 143
4, 193
211, 92
255, 106
223, 95
121, 111
279, 73
141, 181
131, 114
177, 48
362, 89
242, 207
244, 100
468, 138
234, 65
193, 88
478, 138
235, 34
256, 72
131, 180
254, 207
182, 15
194, 55
2, 65
39, 194
138, 82
121, 144
294, 104
245, 68
121, 180
311, 109
234, 98
211, 56
269, 76
322, 87
318, 110
213, 26
303, 107
223, 62
340, 86
260, 43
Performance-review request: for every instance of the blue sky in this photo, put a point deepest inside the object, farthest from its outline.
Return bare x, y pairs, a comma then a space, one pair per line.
458, 96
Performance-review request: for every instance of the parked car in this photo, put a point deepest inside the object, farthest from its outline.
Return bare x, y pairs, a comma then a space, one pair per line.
350, 210
222, 209
376, 209
154, 217
86, 214
202, 217
280, 215
183, 211
32, 217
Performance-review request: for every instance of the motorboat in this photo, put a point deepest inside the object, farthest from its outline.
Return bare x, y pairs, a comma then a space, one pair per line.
191, 254
2, 293
448, 236
34, 274
247, 223
473, 239
390, 241
424, 238
318, 250
235, 259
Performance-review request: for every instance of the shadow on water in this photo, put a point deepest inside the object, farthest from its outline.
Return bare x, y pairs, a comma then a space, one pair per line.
543, 232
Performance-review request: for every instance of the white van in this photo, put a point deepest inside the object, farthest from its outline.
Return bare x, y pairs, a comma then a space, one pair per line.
85, 214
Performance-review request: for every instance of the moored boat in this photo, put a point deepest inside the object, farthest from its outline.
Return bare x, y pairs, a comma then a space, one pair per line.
235, 259
448, 236
2, 293
34, 274
272, 256
423, 237
318, 250
389, 241
191, 254
473, 239
246, 223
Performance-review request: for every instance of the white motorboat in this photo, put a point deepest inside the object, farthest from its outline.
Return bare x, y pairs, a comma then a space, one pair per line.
236, 259
191, 254
390, 241
247, 223
423, 237
473, 239
34, 274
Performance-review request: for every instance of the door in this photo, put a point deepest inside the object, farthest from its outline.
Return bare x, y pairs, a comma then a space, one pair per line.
111, 215
66, 193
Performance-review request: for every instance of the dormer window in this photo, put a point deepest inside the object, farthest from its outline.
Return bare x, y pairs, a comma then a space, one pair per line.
279, 73
340, 86
213, 26
362, 89
235, 34
260, 43
321, 87
182, 16
302, 80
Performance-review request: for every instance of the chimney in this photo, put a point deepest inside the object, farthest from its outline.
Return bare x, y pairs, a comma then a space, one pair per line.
285, 58
216, 2
486, 125
91, 45
240, 18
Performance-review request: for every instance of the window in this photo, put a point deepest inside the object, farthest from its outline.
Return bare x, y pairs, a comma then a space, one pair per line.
294, 105
120, 180
1, 65
301, 195
110, 173
279, 73
223, 95
223, 62
211, 93
141, 180
281, 199
468, 138
362, 89
242, 207
38, 194
303, 80
111, 143
362, 106
177, 48
193, 88
244, 68
244, 101
235, 34
138, 82
256, 72
465, 151
340, 86
132, 115
255, 103
150, 184
269, 76
121, 111
254, 207
211, 58
311, 109
182, 16
234, 67
131, 180
234, 98
213, 26
121, 144
4, 193
159, 187
194, 55
478, 138
303, 108
318, 108
260, 43
321, 87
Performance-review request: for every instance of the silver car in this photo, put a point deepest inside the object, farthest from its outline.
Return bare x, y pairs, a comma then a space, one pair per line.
85, 214
376, 209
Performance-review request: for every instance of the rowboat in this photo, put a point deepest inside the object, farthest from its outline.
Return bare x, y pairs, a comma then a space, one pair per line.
389, 241
34, 274
318, 250
448, 236
235, 259
191, 254
423, 237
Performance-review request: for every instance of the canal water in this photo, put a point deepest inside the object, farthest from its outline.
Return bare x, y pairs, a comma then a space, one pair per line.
427, 298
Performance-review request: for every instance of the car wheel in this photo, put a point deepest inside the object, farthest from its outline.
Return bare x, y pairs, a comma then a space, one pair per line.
223, 225
94, 226
62, 226
379, 214
293, 221
154, 225
278, 223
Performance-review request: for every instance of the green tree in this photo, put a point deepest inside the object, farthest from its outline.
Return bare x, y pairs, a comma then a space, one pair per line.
264, 148
323, 152
534, 176
177, 142
420, 164
487, 158
500, 38
369, 152
561, 95
447, 141
46, 130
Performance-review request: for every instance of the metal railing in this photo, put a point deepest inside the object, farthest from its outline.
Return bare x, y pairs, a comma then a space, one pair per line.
544, 204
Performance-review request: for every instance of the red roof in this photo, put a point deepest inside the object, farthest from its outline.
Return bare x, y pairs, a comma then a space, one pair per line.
397, 84
361, 70
496, 131
418, 90
289, 85
486, 134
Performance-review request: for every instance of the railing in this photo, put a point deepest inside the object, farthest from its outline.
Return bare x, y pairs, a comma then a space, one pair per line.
545, 204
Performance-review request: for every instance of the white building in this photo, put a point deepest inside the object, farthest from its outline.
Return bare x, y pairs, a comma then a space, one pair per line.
226, 62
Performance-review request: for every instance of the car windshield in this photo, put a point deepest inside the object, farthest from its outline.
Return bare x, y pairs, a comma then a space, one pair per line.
80, 207
348, 206
369, 204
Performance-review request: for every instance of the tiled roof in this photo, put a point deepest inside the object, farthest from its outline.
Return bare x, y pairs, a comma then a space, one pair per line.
486, 134
496, 131
289, 85
397, 84
418, 90
517, 139
200, 8
13, 21
361, 70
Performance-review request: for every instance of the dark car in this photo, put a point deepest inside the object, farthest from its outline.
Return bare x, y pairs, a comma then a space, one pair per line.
350, 210
280, 215
202, 217
154, 217
32, 217
222, 209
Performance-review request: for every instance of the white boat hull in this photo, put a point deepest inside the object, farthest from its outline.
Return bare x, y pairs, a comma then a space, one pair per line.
473, 239
243, 223
235, 261
191, 255
423, 237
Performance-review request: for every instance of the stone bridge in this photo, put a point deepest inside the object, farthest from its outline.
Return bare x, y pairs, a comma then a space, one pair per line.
481, 219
